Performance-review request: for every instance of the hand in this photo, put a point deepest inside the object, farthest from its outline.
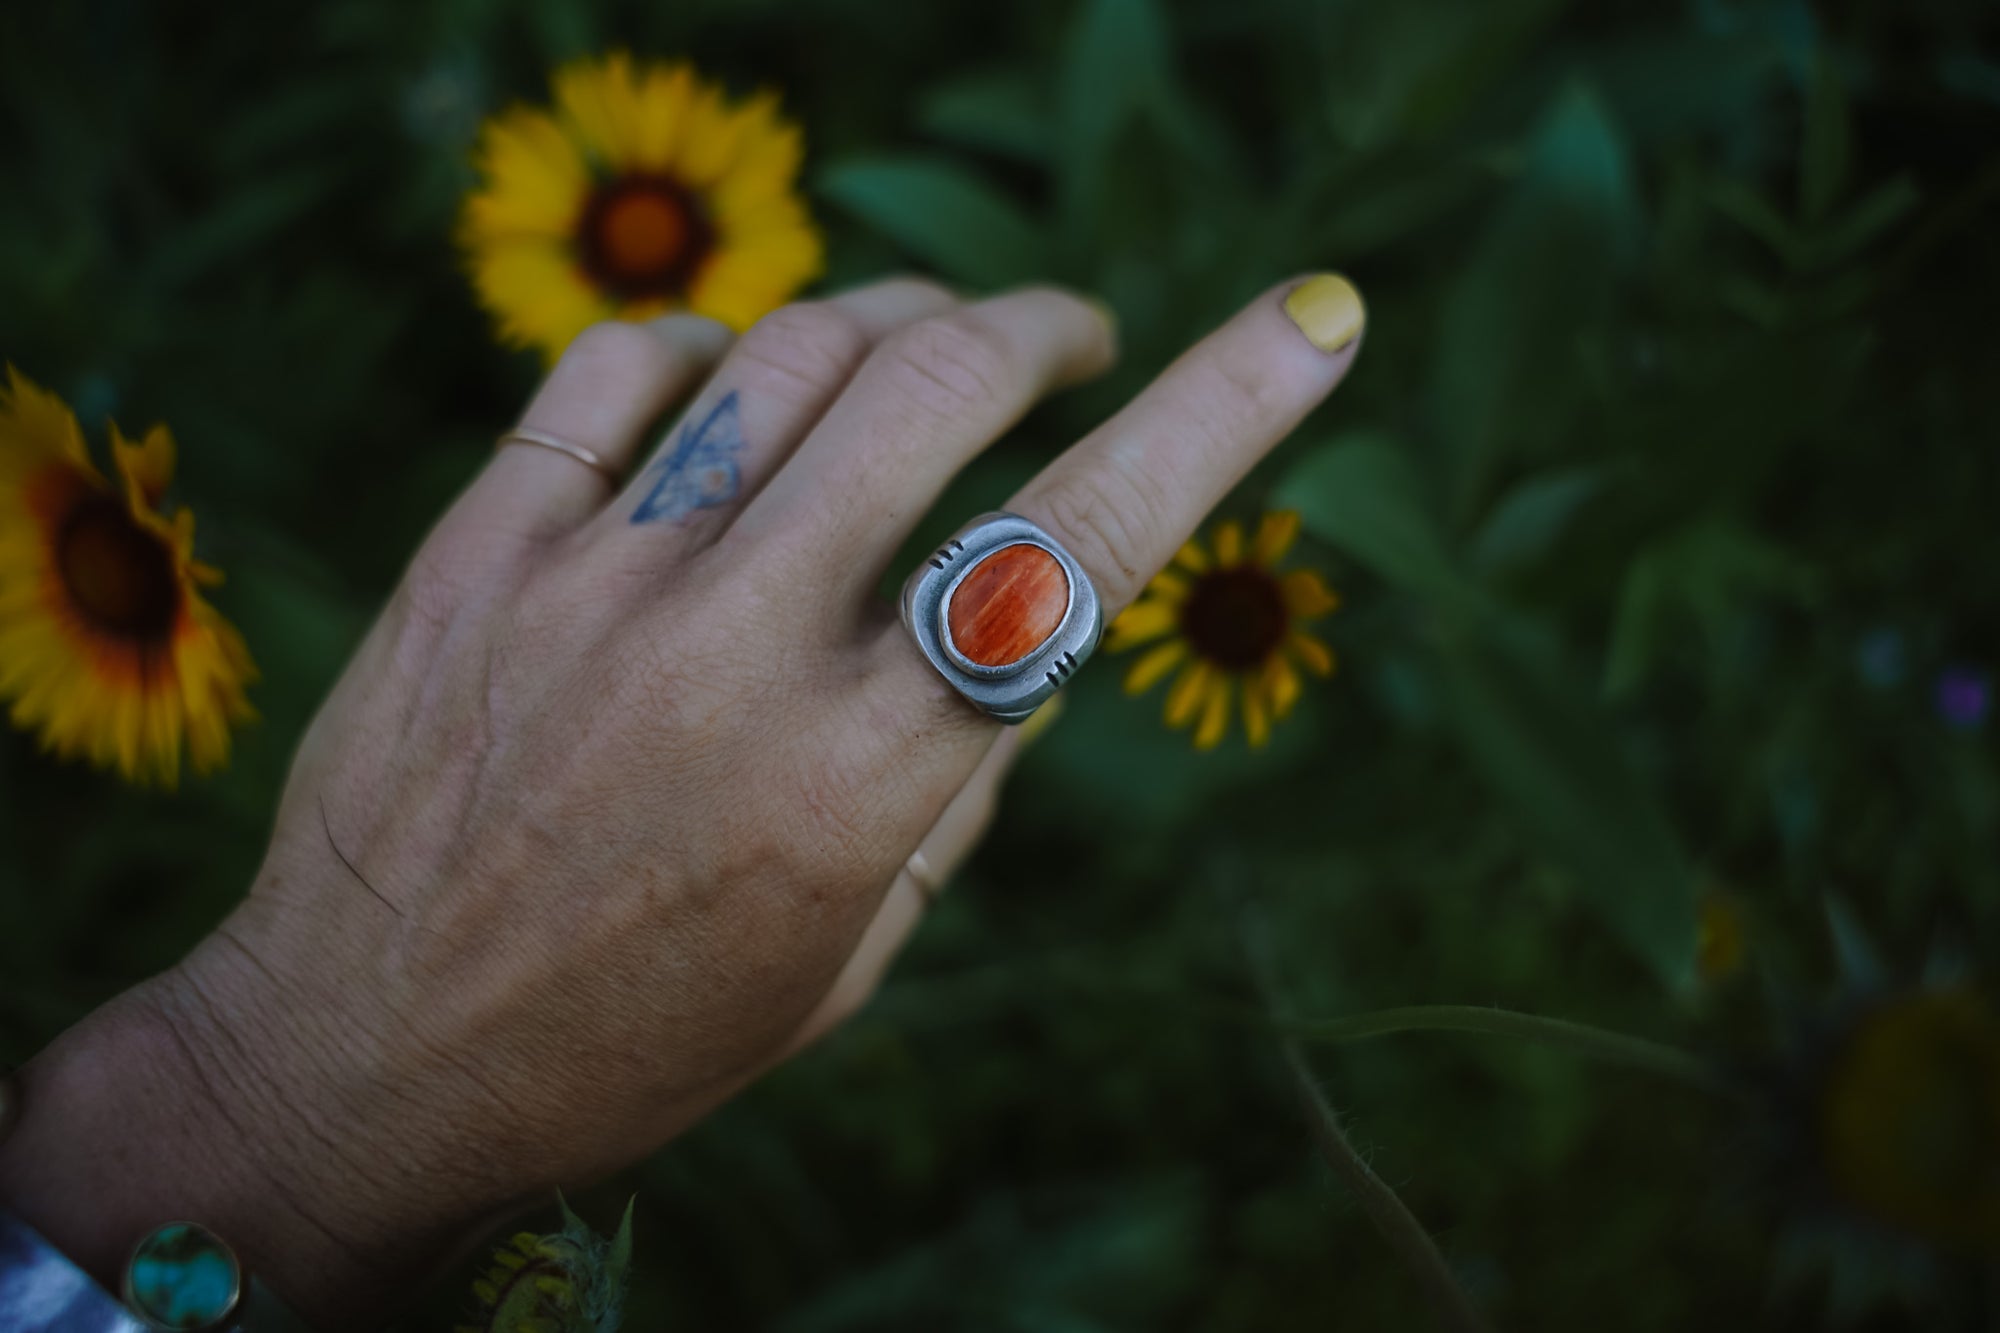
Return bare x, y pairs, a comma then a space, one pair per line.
609, 811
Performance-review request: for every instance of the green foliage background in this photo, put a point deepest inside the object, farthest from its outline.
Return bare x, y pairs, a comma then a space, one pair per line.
1661, 495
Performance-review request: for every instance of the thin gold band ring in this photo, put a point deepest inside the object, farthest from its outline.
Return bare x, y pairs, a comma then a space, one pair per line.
522, 435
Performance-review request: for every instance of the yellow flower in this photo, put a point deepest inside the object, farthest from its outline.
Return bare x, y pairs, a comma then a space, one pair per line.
571, 1281
106, 647
1722, 937
644, 190
1227, 621
1909, 1117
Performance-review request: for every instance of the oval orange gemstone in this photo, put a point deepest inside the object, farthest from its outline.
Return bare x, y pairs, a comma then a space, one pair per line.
1008, 605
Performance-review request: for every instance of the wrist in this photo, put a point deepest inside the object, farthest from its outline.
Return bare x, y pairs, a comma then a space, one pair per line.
155, 1108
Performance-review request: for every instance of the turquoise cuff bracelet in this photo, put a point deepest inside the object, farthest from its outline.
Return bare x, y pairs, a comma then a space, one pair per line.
182, 1278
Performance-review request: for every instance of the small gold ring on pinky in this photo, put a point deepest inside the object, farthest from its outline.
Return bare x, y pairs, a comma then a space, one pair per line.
929, 883
521, 435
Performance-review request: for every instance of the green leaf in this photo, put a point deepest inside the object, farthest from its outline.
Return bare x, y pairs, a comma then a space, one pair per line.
239, 225
1540, 280
1527, 722
1531, 729
943, 214
1115, 67
1001, 112
1530, 518
1876, 212
619, 1261
1361, 494
1707, 575
1749, 209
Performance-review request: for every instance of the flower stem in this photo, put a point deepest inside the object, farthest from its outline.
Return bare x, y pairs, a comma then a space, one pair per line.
1384, 1208
1386, 1211
1601, 1043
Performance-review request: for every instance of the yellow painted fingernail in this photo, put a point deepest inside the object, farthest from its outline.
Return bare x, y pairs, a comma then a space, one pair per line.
1328, 311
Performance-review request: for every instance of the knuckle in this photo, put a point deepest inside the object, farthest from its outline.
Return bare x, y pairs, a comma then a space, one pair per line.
614, 343
1104, 516
950, 363
1230, 399
806, 348
921, 290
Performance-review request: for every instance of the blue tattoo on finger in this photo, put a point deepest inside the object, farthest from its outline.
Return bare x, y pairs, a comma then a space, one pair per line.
699, 471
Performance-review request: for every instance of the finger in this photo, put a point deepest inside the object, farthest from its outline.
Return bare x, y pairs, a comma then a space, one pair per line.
1125, 498
767, 393
613, 381
927, 400
943, 850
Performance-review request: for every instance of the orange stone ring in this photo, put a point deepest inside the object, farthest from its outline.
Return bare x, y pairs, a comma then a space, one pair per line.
1004, 613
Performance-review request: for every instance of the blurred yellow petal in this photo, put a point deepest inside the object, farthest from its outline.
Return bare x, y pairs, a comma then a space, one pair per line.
1318, 658
663, 96
537, 180
1039, 721
599, 108
1153, 667
1192, 558
1228, 541
1169, 585
1214, 715
1275, 535
1186, 695
1306, 595
1139, 623
1281, 682
541, 299
1256, 714
146, 467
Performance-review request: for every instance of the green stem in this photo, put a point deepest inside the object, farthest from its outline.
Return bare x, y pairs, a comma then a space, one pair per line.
1386, 1211
1582, 1038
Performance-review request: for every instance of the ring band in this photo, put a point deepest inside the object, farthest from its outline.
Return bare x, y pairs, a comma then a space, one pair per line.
521, 435
929, 883
1004, 613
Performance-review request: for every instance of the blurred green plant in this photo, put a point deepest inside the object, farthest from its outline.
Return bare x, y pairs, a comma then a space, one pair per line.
1660, 502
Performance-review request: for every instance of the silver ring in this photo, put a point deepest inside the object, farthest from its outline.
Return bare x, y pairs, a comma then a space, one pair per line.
1008, 638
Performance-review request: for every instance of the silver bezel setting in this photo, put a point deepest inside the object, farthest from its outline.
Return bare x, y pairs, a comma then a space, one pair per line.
1012, 692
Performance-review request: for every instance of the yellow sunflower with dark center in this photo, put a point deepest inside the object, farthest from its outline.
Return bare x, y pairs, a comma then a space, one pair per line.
1909, 1117
107, 649
1224, 621
645, 189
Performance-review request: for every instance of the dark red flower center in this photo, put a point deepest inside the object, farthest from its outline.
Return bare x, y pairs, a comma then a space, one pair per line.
119, 576
1235, 618
643, 236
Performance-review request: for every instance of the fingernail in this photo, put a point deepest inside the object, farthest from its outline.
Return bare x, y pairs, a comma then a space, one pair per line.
1328, 311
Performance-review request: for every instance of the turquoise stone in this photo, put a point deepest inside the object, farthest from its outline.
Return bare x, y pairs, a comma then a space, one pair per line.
183, 1277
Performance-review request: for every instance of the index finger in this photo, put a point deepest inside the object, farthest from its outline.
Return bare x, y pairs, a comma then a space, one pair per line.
1125, 498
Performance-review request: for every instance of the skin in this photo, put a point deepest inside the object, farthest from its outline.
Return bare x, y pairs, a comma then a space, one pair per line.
609, 812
